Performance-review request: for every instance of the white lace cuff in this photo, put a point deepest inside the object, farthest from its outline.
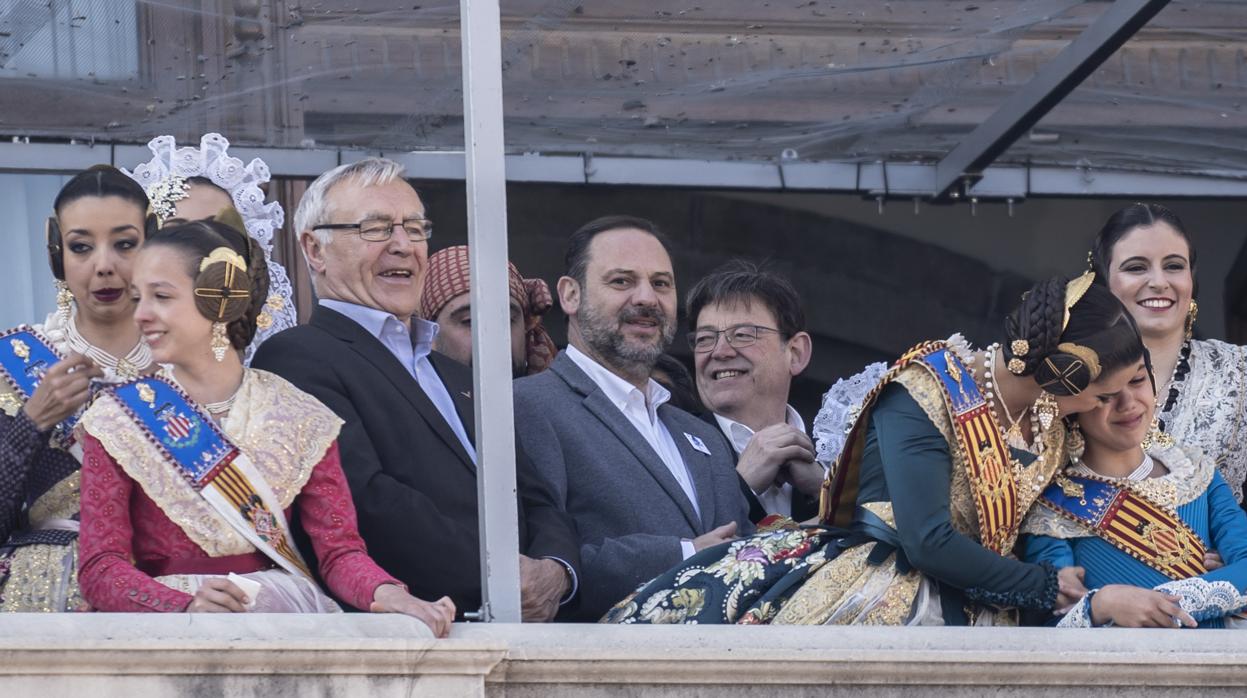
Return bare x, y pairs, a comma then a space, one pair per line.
1080, 615
1205, 600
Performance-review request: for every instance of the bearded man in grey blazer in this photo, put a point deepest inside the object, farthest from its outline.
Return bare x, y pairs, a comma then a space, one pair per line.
647, 484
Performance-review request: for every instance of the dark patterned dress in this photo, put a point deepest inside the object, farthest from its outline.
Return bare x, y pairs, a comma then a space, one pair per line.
39, 483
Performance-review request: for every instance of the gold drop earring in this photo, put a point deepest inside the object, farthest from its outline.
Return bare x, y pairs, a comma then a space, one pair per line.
1156, 438
1046, 410
64, 299
1191, 316
220, 342
1076, 444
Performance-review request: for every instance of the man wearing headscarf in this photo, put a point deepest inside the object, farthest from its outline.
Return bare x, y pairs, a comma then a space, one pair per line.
447, 302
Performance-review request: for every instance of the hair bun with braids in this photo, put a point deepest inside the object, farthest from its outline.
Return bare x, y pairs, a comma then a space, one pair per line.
1063, 374
230, 274
1033, 330
243, 330
222, 287
1067, 349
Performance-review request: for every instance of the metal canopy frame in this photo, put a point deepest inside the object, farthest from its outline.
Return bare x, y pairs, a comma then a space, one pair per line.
872, 179
1050, 85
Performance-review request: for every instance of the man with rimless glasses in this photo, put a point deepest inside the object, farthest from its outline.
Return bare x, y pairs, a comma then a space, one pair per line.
748, 343
406, 440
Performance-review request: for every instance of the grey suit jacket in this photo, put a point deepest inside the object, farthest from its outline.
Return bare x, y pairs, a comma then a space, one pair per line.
630, 511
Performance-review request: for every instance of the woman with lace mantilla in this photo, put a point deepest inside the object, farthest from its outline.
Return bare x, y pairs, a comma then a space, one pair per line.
1140, 523
1146, 258
98, 222
188, 184
950, 450
191, 476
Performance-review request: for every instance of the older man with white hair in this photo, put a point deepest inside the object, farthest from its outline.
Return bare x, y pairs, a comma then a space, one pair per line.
407, 440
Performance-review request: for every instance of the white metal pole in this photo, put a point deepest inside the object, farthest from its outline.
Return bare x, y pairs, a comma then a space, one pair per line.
481, 32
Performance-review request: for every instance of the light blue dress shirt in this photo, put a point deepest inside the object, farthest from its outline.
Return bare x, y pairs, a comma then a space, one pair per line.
411, 348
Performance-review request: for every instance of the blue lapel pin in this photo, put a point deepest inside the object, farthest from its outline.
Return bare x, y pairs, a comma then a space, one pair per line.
697, 443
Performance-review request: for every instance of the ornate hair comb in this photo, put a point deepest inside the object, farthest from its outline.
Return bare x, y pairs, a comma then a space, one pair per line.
1074, 291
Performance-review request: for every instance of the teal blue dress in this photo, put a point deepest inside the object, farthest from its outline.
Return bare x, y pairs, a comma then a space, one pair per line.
1202, 499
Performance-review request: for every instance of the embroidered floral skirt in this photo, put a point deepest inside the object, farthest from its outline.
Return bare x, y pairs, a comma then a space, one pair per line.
805, 576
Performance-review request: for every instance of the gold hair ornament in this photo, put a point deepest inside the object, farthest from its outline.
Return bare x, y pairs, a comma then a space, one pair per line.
1074, 291
228, 290
225, 255
1064, 377
1087, 355
231, 217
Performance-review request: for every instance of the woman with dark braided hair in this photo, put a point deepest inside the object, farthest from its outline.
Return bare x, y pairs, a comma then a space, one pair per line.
191, 476
1145, 257
920, 513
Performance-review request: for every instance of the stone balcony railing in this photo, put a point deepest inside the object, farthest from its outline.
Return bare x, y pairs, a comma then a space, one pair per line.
105, 655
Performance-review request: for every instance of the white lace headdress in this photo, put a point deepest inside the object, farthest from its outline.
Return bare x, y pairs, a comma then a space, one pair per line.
164, 179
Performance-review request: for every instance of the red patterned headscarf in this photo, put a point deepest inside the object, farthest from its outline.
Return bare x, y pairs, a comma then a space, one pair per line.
448, 277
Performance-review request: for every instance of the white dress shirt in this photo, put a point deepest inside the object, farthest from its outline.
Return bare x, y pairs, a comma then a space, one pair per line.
641, 409
776, 499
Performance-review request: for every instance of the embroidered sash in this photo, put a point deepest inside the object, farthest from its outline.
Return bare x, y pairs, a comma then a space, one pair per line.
1130, 522
25, 356
223, 475
988, 466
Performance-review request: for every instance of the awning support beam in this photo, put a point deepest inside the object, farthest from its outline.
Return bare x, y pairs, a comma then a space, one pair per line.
1051, 84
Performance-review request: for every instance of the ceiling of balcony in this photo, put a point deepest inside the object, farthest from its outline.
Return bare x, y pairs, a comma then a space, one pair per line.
810, 80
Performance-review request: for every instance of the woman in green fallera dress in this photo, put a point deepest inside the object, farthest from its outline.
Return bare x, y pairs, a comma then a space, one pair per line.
921, 512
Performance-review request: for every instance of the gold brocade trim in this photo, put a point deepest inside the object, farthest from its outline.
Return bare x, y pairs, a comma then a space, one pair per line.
143, 462
1190, 474
926, 390
848, 591
10, 400
59, 502
883, 510
284, 431
43, 579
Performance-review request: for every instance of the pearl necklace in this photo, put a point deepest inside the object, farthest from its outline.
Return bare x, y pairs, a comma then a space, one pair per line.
215, 409
218, 409
1137, 475
1013, 435
125, 368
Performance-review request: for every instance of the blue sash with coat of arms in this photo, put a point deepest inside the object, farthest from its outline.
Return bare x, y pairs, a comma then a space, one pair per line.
221, 473
1149, 532
25, 356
